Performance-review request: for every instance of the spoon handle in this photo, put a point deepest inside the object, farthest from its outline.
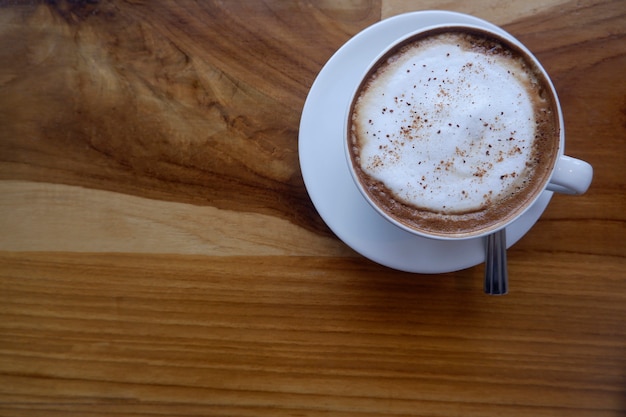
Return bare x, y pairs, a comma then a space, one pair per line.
496, 274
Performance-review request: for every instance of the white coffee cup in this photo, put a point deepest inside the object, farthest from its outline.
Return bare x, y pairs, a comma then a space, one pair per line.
566, 174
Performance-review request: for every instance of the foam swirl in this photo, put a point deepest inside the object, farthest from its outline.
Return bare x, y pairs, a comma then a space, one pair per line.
447, 127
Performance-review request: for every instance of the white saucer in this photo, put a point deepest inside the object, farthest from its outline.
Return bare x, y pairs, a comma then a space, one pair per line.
325, 170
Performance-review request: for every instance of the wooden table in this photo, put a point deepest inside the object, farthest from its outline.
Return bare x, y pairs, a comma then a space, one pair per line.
159, 254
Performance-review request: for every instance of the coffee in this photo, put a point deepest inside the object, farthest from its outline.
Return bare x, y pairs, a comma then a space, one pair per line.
453, 132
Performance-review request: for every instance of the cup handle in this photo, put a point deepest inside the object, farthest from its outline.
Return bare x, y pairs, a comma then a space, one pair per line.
570, 176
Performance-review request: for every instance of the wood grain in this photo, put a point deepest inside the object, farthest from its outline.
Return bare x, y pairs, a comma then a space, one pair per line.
137, 332
191, 102
159, 254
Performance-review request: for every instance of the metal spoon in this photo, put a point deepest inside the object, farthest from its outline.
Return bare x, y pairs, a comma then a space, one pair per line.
496, 274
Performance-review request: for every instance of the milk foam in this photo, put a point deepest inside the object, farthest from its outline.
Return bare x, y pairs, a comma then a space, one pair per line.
446, 128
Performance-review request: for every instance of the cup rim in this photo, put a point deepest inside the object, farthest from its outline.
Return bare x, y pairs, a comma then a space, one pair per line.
500, 35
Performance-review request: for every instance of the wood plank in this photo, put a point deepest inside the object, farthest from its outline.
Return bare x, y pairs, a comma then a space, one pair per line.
170, 330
